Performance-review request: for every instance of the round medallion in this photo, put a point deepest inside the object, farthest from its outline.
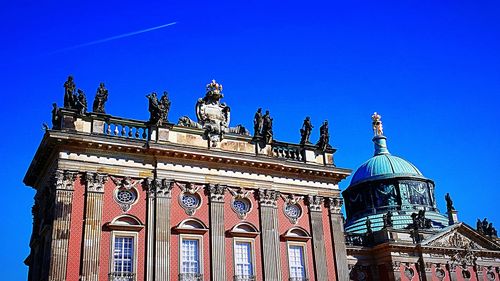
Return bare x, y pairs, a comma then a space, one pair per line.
293, 211
125, 196
440, 273
190, 201
241, 206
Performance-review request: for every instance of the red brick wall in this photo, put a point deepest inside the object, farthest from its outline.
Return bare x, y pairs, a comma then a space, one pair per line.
76, 231
329, 245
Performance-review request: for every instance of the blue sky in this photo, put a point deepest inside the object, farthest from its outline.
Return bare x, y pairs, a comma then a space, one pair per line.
430, 68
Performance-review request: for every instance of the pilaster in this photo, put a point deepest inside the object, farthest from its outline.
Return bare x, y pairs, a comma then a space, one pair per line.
338, 238
162, 228
452, 271
150, 228
218, 252
94, 184
63, 182
394, 271
315, 203
270, 239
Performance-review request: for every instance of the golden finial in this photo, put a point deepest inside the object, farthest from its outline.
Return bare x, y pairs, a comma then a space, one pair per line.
378, 130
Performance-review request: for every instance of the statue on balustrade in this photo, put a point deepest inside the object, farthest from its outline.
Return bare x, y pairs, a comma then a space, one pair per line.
449, 202
257, 123
420, 221
267, 128
486, 228
69, 93
305, 131
158, 108
100, 99
81, 102
55, 116
368, 224
324, 137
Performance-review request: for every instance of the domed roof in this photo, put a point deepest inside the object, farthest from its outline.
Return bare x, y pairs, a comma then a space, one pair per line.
382, 166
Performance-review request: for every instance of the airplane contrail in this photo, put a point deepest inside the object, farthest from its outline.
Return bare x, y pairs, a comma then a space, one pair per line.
114, 37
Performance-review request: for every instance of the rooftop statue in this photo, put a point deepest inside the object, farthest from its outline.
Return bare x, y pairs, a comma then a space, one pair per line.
324, 137
378, 130
449, 202
267, 128
81, 102
368, 224
158, 108
305, 131
387, 218
69, 93
420, 221
257, 123
100, 99
55, 116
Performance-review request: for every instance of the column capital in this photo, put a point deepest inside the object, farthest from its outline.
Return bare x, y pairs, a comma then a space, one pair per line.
94, 182
335, 204
268, 197
64, 180
314, 202
216, 192
158, 187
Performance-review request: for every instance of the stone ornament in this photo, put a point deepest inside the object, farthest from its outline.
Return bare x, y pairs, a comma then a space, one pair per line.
440, 273
378, 130
305, 131
240, 202
64, 180
100, 99
189, 199
125, 193
76, 101
314, 202
94, 182
291, 208
324, 137
335, 204
490, 274
268, 197
409, 272
216, 192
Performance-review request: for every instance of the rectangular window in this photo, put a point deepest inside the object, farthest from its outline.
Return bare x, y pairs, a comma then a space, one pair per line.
190, 256
123, 254
243, 259
296, 261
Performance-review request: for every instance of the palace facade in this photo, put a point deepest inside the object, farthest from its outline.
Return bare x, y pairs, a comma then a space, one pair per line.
121, 199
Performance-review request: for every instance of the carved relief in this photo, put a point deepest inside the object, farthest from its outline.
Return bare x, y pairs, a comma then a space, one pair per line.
64, 179
125, 193
189, 199
335, 204
216, 192
240, 202
314, 202
268, 197
292, 209
440, 274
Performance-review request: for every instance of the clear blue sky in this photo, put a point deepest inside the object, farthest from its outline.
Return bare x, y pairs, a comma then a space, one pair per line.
430, 68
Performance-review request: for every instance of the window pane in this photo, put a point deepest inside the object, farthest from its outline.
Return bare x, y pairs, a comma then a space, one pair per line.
123, 254
190, 256
296, 261
243, 259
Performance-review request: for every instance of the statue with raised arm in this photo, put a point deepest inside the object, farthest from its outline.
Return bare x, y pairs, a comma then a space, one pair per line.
449, 202
81, 102
257, 123
305, 131
100, 99
69, 93
378, 130
324, 137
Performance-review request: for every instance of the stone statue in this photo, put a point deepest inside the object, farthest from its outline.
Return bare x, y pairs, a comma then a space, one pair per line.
267, 128
324, 137
257, 123
368, 226
305, 131
388, 219
158, 108
100, 99
69, 93
449, 203
484, 226
377, 124
419, 221
479, 226
55, 116
81, 102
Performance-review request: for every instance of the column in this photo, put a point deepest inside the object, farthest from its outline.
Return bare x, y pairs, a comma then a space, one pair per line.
162, 228
338, 238
452, 271
63, 182
269, 234
426, 269
217, 237
318, 239
92, 225
395, 273
150, 228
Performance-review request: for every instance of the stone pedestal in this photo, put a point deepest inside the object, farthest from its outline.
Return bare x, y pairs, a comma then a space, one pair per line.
452, 217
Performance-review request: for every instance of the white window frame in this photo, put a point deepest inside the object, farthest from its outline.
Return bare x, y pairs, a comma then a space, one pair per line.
115, 234
252, 254
200, 250
303, 245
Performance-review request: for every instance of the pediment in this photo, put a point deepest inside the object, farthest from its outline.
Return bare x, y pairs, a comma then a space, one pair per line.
460, 236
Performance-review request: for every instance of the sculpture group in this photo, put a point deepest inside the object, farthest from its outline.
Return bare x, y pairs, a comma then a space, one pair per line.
212, 115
